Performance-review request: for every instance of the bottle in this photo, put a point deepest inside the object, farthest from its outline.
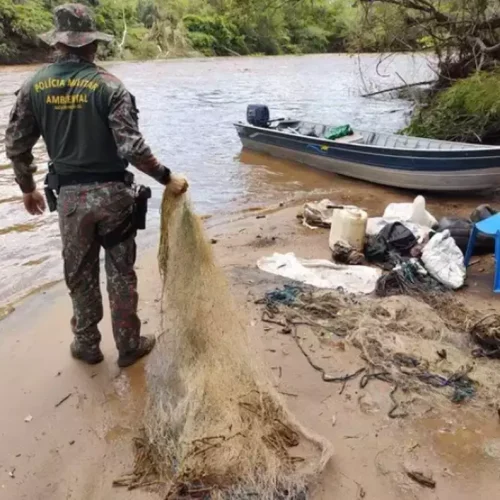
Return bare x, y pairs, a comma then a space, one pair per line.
349, 227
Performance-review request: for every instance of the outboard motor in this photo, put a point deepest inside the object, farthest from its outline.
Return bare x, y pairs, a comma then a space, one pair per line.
258, 115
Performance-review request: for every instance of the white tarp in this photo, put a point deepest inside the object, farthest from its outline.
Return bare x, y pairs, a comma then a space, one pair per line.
322, 273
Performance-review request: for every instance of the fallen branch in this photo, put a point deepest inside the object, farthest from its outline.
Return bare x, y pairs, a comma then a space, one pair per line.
485, 48
400, 87
421, 478
232, 52
290, 394
65, 398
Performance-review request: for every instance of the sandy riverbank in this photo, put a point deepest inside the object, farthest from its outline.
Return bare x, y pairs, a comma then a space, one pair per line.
75, 449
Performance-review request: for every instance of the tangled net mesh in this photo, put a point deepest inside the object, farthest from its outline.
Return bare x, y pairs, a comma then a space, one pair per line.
214, 425
423, 345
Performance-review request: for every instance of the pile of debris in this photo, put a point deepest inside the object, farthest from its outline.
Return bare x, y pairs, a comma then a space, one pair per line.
420, 253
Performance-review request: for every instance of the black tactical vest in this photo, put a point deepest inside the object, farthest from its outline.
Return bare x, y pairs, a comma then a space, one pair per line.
71, 102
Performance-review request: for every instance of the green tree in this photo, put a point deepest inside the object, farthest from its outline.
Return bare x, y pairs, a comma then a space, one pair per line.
19, 25
463, 34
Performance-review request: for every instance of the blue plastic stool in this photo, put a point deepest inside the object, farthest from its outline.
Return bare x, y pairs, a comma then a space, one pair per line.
490, 226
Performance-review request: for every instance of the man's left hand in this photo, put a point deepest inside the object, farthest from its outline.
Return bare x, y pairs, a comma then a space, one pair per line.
34, 202
177, 185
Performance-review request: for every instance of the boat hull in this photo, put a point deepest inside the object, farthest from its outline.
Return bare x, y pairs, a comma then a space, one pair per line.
435, 171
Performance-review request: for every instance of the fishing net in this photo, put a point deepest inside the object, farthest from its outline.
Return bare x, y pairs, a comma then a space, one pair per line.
215, 427
486, 333
417, 346
408, 279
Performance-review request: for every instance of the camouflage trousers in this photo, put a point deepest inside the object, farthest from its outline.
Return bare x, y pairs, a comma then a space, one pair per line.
87, 212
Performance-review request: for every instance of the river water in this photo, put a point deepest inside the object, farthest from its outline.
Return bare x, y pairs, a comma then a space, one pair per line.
187, 111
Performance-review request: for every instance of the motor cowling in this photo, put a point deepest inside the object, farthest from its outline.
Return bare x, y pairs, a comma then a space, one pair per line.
258, 115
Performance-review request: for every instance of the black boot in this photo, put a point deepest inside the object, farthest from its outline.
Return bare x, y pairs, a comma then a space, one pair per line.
91, 356
146, 345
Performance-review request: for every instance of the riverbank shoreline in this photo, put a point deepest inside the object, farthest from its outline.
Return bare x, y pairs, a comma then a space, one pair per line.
198, 57
67, 429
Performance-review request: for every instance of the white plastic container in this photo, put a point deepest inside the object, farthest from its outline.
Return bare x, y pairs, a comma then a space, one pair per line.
349, 227
411, 212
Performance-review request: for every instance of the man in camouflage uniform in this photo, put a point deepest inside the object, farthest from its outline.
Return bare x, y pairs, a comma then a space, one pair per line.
89, 123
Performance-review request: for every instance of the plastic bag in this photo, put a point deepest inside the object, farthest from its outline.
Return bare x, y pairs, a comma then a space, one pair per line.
392, 243
376, 224
339, 132
460, 229
482, 212
444, 260
398, 238
319, 213
411, 212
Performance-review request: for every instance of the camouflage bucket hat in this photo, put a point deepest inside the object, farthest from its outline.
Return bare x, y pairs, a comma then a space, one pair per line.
75, 27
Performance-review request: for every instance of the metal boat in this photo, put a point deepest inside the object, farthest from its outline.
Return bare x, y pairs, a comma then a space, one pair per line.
388, 159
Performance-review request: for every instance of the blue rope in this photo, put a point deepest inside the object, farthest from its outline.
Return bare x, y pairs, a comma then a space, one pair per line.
286, 296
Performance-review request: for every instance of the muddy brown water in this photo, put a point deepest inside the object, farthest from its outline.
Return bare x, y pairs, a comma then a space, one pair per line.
187, 111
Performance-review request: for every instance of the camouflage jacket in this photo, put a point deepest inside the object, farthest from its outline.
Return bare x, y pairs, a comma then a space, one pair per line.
23, 131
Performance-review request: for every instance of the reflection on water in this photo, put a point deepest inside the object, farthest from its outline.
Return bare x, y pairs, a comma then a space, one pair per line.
270, 177
187, 111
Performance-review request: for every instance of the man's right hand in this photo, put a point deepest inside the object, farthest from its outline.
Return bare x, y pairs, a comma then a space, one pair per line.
178, 185
34, 202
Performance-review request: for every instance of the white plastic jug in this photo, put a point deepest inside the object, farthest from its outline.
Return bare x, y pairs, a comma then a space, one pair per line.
349, 227
410, 212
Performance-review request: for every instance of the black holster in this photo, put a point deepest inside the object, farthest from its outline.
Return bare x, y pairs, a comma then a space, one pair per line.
135, 221
142, 195
51, 188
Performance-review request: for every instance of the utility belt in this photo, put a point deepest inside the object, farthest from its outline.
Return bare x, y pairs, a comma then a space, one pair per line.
135, 221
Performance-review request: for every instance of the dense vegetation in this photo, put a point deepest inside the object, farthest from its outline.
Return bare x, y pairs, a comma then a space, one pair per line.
159, 28
467, 111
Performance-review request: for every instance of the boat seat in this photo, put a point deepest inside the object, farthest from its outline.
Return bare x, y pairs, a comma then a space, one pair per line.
351, 139
287, 124
320, 130
307, 129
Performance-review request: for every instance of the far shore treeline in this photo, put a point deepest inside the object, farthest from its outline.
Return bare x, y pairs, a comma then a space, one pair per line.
147, 29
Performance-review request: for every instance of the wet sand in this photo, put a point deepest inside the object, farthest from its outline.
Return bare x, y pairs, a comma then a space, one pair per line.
74, 448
